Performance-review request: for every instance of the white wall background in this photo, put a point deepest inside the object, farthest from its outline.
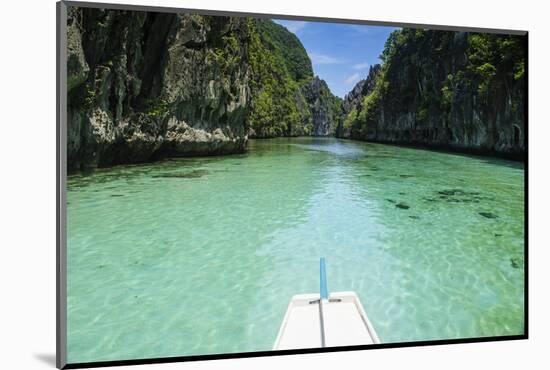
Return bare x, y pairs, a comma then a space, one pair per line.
27, 182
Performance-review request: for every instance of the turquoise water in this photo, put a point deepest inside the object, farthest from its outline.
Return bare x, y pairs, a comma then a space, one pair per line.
201, 255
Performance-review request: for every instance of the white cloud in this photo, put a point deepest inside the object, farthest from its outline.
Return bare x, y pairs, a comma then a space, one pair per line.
318, 59
360, 66
292, 26
352, 79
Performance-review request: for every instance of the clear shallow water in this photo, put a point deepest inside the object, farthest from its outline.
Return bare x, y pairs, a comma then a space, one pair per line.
201, 255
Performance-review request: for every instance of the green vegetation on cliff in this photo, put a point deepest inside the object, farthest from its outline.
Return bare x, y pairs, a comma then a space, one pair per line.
286, 99
286, 47
278, 107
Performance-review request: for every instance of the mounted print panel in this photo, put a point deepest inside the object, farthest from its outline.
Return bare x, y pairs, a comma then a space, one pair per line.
239, 185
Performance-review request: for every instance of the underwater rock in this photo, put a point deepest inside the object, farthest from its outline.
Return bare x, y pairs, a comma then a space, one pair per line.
402, 205
451, 192
188, 175
516, 262
459, 196
488, 215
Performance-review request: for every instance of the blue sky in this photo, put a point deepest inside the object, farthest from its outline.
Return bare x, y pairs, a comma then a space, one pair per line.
340, 53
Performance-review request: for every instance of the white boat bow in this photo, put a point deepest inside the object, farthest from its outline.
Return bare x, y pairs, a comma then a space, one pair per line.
323, 320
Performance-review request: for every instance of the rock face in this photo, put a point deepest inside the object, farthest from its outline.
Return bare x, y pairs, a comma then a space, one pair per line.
147, 84
354, 99
325, 108
452, 90
144, 85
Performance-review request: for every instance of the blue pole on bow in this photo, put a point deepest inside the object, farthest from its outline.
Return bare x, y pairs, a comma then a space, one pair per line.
323, 276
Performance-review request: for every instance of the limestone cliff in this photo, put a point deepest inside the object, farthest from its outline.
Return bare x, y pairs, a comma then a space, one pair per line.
353, 101
326, 109
286, 99
144, 84
453, 90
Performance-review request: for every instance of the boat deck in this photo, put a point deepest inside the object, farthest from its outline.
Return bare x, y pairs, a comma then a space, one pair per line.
344, 322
